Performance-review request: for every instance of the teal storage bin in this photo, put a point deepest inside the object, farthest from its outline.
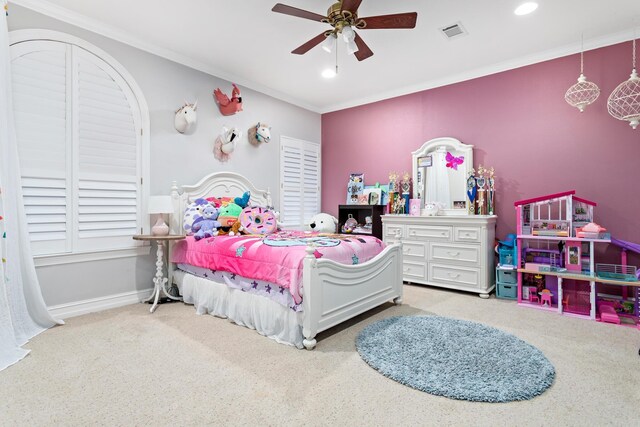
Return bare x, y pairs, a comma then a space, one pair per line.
507, 290
506, 276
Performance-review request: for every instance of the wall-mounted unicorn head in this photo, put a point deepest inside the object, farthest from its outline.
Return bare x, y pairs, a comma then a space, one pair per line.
186, 116
259, 133
226, 143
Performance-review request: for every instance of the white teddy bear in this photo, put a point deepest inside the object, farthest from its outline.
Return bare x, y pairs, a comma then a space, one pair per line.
323, 223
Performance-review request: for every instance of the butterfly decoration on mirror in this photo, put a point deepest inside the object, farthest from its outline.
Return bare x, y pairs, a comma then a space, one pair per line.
453, 162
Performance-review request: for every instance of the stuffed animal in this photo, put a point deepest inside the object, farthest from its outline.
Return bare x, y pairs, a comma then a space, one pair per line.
207, 226
229, 214
323, 223
431, 208
236, 230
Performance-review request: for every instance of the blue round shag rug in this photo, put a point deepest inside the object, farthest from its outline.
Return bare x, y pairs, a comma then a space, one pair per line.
455, 358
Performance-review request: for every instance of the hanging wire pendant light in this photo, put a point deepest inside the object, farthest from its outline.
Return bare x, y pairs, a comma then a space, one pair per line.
583, 93
624, 101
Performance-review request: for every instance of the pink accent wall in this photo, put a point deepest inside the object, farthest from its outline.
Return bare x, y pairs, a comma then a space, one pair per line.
518, 123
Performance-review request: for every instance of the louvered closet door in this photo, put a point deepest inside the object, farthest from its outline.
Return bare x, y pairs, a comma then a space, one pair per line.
299, 181
290, 183
41, 91
310, 181
108, 156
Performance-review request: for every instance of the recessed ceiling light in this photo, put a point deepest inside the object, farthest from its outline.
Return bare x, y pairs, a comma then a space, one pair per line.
329, 73
526, 8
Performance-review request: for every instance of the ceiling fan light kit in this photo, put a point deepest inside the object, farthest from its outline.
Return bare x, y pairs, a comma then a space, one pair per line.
624, 101
343, 18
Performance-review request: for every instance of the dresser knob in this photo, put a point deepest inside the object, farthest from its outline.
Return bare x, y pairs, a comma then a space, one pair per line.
443, 233
454, 276
453, 253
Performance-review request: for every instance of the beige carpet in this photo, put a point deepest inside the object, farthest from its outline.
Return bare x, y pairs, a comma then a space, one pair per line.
128, 367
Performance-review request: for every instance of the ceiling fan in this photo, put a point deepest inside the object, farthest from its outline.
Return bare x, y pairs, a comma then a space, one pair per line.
343, 17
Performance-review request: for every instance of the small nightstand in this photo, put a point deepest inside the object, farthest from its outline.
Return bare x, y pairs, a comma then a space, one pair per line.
159, 281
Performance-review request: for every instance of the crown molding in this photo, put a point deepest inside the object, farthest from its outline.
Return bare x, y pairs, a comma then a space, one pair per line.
565, 50
65, 15
82, 21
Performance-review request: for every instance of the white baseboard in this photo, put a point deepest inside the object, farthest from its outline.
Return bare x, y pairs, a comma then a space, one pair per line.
78, 308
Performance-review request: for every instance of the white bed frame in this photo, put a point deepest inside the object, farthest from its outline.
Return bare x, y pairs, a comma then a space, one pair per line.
332, 292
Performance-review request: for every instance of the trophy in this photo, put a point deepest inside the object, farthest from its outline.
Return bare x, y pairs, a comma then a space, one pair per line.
492, 191
481, 200
405, 187
472, 191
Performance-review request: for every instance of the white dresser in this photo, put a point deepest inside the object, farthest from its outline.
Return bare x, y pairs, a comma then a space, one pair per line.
453, 252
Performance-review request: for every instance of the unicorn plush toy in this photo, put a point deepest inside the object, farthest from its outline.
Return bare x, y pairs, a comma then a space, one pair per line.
259, 133
186, 116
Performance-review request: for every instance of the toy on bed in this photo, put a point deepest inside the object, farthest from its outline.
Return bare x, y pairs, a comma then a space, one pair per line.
258, 220
208, 225
323, 223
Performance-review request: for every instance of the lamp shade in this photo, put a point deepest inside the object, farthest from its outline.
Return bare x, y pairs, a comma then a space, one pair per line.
160, 205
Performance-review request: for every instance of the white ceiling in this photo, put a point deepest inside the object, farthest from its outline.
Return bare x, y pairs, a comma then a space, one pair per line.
243, 41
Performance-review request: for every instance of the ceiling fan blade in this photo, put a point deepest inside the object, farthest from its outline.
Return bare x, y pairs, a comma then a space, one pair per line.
351, 5
400, 20
309, 45
300, 13
364, 51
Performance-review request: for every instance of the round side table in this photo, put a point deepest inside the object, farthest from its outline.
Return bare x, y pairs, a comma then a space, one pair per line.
159, 280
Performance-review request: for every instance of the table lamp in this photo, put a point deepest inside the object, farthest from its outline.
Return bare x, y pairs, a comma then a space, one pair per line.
160, 205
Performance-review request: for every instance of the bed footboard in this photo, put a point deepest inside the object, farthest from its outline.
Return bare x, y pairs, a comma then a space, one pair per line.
334, 292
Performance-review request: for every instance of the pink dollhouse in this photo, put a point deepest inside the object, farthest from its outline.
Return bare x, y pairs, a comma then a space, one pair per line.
556, 237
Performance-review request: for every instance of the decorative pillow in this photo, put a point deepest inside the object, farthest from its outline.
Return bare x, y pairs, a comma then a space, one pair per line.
258, 220
192, 215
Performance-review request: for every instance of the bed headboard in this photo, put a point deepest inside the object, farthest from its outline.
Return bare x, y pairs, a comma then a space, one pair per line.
218, 184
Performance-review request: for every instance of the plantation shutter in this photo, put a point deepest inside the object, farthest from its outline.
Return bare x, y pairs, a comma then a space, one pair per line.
299, 182
108, 140
79, 136
41, 92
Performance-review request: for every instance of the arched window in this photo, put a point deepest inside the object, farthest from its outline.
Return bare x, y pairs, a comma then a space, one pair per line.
82, 128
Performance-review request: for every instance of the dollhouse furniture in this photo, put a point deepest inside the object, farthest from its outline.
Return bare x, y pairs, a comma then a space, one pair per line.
556, 239
331, 292
452, 250
545, 297
159, 281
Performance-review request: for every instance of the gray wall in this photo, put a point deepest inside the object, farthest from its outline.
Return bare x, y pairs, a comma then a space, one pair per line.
174, 157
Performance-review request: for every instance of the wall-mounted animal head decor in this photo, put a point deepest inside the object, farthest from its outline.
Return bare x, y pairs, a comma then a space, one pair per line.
228, 107
226, 143
186, 116
259, 133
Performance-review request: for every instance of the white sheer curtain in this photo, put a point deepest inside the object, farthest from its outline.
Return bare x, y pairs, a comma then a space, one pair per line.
23, 313
438, 179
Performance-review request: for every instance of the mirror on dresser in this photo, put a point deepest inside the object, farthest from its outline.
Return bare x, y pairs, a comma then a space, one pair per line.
440, 171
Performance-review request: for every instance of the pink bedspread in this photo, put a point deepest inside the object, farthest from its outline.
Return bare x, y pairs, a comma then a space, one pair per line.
277, 258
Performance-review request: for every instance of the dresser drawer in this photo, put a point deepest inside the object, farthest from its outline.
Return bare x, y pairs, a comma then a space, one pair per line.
414, 250
392, 232
427, 233
468, 254
467, 234
412, 270
454, 275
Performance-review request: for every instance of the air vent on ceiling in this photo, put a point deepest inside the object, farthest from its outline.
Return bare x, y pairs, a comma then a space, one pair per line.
453, 31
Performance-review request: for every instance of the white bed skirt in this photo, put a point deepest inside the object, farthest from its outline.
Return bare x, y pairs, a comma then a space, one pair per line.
267, 317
